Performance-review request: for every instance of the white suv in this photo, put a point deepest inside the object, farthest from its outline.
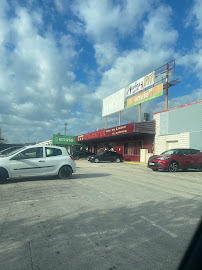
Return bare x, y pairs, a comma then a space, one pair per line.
37, 161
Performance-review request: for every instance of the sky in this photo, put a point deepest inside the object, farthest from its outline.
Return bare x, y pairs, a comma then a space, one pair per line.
60, 58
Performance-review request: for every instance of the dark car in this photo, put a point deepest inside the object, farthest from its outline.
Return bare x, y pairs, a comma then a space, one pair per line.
81, 154
174, 159
106, 156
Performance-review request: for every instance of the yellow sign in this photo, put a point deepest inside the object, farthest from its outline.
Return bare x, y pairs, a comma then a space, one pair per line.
145, 96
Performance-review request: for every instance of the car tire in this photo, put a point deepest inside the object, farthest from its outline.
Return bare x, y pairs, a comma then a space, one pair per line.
3, 176
118, 160
65, 172
154, 170
200, 169
96, 160
173, 166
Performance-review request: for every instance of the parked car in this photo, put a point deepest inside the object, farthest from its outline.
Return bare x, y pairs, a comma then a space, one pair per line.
37, 161
82, 154
9, 150
106, 156
174, 159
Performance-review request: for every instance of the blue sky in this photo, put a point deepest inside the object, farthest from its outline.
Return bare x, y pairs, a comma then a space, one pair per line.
59, 59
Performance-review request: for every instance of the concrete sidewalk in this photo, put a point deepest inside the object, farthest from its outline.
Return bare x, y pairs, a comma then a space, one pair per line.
133, 162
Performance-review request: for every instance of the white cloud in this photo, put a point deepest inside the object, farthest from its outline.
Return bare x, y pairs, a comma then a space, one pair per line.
158, 32
195, 16
192, 59
105, 54
104, 21
75, 27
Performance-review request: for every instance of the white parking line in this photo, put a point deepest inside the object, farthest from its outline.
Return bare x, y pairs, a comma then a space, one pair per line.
106, 195
120, 230
159, 227
27, 201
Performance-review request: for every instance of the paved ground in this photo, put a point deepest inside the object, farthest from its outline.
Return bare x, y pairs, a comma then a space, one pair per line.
108, 216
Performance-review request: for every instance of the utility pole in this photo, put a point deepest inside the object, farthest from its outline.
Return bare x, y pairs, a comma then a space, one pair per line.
65, 128
167, 70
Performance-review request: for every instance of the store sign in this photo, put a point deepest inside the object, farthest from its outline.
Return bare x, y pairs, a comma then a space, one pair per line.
64, 139
145, 96
140, 84
119, 130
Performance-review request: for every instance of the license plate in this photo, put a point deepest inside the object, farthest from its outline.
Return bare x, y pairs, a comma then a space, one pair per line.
151, 163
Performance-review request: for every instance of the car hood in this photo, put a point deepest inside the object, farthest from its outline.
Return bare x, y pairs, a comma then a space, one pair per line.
158, 156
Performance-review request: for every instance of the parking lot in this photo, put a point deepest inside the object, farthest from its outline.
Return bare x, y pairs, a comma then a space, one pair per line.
108, 216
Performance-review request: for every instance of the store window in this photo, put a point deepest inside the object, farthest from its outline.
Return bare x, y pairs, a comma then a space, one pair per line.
129, 148
133, 148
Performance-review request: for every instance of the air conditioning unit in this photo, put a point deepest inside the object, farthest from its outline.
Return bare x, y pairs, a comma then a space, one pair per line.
146, 117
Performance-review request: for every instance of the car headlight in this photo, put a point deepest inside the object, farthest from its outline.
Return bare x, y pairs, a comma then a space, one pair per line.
164, 158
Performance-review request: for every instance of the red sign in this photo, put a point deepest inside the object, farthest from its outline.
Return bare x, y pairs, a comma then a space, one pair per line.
119, 130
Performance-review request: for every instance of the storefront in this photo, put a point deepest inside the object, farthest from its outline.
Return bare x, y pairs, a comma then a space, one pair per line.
69, 142
127, 140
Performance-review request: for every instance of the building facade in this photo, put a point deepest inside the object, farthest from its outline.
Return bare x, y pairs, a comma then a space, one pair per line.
128, 140
179, 127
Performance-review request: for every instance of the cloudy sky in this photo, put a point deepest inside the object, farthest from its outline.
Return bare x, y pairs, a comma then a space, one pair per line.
60, 58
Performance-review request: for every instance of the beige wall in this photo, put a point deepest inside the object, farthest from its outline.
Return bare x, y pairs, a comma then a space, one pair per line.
162, 142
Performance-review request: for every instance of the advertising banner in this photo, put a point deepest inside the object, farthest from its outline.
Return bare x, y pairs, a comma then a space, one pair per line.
140, 84
64, 140
145, 96
119, 130
113, 103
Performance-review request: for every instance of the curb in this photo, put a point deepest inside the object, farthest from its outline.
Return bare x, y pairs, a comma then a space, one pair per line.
138, 163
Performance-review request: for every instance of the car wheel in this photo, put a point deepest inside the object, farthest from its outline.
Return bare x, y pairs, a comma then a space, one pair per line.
200, 169
65, 172
118, 160
154, 170
173, 166
96, 160
3, 176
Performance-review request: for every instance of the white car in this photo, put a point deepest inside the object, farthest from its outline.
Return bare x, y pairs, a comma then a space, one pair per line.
37, 161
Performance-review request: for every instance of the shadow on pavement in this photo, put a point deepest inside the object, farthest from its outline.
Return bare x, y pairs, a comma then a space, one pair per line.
123, 238
50, 178
89, 175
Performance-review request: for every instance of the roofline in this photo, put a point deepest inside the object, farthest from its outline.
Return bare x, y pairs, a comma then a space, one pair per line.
178, 107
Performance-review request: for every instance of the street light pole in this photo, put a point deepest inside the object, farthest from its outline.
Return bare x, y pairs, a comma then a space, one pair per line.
66, 128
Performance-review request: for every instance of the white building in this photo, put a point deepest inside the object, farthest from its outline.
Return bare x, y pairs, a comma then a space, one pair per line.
179, 127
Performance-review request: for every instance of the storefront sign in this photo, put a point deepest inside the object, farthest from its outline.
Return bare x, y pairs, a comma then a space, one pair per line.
64, 140
145, 96
119, 130
140, 84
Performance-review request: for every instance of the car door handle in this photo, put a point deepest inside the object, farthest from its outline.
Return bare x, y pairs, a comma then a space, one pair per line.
41, 161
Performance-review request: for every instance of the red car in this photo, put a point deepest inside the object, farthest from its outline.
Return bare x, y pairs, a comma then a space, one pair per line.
174, 159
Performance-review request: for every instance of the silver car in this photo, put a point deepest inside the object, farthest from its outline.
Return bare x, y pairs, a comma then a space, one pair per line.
37, 160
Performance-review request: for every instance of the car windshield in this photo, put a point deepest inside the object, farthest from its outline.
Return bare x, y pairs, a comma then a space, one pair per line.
14, 151
170, 152
101, 153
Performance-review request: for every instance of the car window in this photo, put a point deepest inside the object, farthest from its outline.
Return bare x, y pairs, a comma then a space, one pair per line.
36, 152
170, 152
52, 152
185, 152
193, 151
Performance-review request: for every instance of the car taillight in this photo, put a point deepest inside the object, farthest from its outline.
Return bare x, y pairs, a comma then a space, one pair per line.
72, 157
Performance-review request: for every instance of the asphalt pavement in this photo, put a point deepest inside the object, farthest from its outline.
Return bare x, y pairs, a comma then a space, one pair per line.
108, 216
